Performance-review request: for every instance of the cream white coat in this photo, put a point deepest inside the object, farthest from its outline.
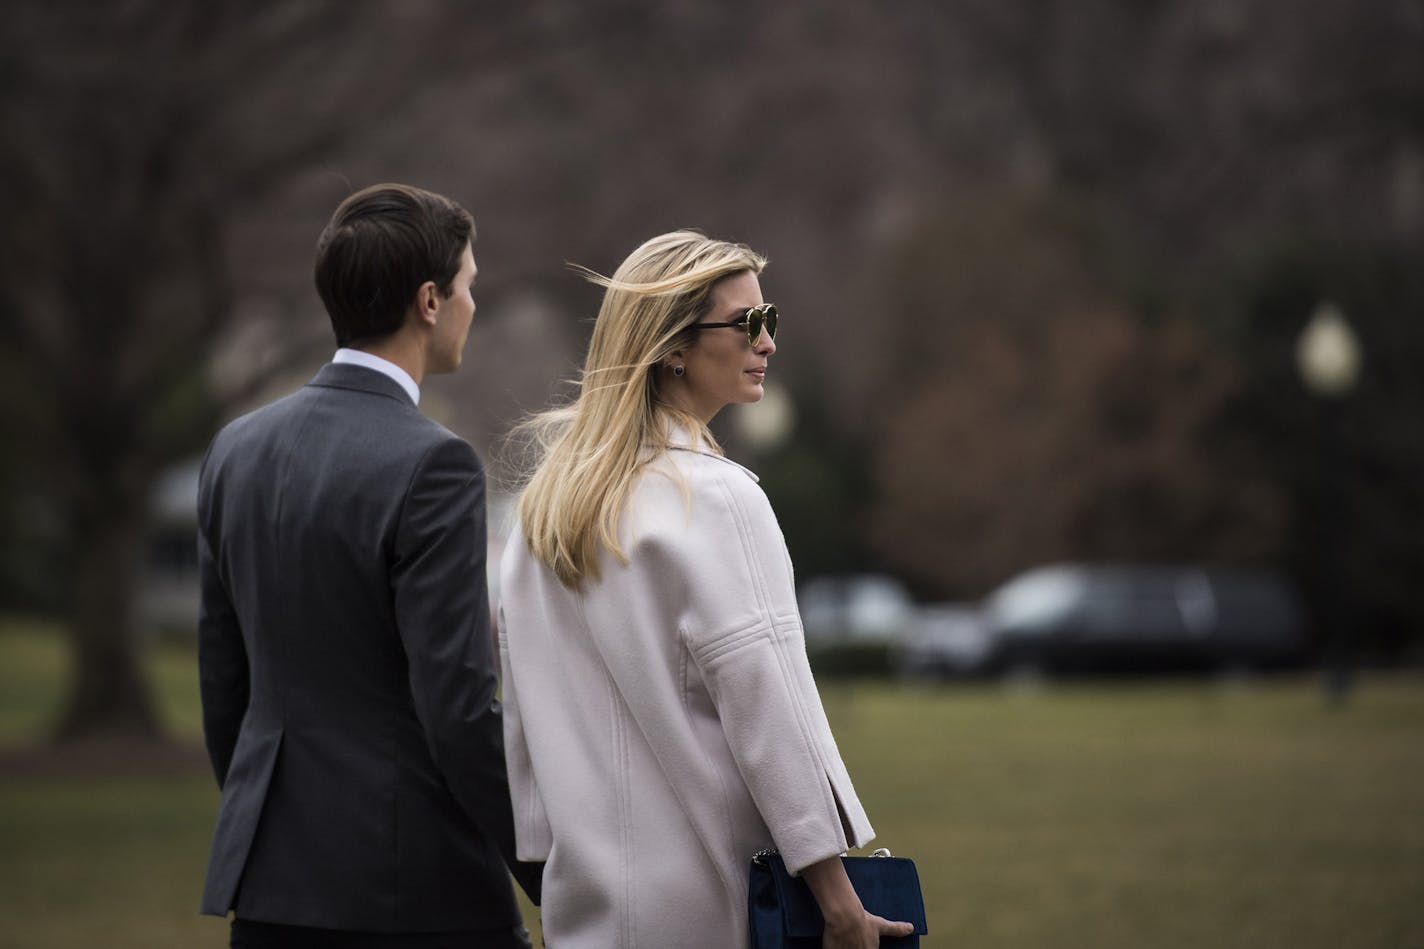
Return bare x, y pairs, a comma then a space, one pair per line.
663, 725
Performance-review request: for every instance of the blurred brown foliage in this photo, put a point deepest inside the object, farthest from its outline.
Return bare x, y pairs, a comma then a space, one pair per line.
1025, 245
1038, 419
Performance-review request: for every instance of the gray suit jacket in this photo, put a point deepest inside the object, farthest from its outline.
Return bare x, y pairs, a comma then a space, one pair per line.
348, 680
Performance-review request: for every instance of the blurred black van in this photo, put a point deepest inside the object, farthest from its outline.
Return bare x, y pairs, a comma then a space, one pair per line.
1081, 618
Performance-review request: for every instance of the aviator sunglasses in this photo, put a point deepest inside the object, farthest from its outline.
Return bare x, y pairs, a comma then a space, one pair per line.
754, 320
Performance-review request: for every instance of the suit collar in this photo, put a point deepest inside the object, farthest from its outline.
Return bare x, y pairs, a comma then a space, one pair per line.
360, 379
359, 357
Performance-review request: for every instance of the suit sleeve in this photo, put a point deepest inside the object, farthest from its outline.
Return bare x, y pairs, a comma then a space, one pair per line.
222, 656
442, 611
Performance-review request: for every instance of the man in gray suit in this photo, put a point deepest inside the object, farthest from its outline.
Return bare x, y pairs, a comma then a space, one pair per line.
345, 656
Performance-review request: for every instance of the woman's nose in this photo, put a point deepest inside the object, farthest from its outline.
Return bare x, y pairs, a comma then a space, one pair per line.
766, 345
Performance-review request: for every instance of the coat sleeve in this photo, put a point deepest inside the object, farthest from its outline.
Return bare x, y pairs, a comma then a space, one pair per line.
442, 612
743, 631
534, 837
222, 655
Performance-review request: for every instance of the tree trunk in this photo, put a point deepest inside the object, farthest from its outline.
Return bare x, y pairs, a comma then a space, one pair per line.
109, 690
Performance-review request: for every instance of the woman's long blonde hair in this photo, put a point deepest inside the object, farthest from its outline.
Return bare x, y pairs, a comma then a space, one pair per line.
586, 454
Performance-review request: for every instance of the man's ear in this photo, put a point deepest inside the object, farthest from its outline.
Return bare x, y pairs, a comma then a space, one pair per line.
427, 302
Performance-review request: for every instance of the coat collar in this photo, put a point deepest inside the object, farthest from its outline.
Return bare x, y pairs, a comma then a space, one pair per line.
680, 438
360, 379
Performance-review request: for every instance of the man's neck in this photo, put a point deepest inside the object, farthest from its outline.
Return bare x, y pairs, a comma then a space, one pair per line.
401, 350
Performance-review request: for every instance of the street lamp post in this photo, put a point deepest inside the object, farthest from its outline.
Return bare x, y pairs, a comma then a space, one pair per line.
1328, 357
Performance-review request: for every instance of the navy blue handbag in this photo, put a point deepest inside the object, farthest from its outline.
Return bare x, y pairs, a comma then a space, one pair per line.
783, 914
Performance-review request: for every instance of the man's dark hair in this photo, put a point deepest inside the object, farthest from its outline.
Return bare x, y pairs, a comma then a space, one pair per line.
382, 243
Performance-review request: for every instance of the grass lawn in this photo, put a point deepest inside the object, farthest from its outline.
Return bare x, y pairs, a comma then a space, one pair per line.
1162, 814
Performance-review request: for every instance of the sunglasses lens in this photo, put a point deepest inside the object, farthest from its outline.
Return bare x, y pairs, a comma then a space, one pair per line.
758, 317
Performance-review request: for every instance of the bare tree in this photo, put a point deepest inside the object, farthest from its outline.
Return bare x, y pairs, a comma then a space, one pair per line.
138, 134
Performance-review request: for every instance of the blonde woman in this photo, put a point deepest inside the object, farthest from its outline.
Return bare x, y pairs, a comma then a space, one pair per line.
661, 721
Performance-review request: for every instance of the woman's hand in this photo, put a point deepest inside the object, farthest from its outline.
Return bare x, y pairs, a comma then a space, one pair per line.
862, 933
848, 925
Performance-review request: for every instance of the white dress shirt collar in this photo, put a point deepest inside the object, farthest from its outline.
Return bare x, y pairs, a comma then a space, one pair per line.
358, 357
